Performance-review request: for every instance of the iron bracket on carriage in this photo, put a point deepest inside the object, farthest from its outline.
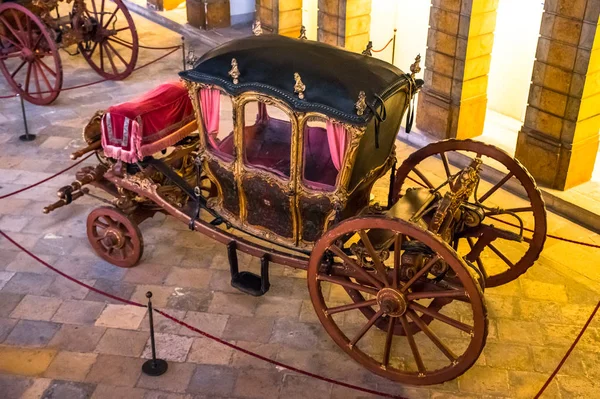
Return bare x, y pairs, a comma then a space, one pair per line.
267, 150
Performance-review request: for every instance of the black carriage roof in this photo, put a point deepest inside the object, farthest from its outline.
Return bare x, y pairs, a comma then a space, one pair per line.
333, 77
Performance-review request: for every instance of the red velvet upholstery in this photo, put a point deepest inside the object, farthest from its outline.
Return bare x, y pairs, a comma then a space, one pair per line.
146, 125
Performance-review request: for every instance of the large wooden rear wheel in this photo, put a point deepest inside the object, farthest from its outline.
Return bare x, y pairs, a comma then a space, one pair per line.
492, 245
29, 58
115, 237
410, 349
110, 42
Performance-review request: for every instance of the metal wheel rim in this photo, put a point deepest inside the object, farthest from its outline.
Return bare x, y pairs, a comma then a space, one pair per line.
103, 69
50, 92
519, 171
473, 290
127, 247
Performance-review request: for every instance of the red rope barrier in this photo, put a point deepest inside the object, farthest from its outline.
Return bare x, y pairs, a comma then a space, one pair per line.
197, 330
79, 86
566, 356
46, 179
384, 47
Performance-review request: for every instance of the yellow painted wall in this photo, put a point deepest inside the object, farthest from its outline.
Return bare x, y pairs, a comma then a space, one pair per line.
515, 42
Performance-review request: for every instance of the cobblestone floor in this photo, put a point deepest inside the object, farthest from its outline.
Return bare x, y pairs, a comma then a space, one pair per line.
58, 340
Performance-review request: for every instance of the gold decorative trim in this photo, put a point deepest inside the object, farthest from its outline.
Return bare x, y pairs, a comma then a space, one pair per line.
299, 87
416, 67
234, 72
361, 104
257, 28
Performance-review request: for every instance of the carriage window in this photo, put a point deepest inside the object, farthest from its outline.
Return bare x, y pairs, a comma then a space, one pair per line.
267, 137
324, 150
217, 115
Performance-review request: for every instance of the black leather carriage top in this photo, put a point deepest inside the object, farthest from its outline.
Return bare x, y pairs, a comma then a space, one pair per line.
333, 77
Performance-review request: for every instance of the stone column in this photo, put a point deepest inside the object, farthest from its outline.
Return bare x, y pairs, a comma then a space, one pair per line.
345, 23
283, 17
559, 139
453, 101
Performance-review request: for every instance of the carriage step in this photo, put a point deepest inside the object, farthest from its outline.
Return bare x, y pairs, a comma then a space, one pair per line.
248, 282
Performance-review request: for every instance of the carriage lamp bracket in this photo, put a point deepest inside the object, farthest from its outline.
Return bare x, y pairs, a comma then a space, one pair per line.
245, 281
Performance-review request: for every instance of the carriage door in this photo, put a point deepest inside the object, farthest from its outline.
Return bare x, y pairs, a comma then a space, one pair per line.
267, 177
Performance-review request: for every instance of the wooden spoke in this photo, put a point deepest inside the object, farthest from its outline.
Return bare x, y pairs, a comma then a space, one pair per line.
115, 52
501, 255
37, 65
478, 259
420, 273
347, 284
432, 336
8, 39
46, 67
110, 58
352, 306
111, 17
422, 177
413, 296
447, 168
37, 81
18, 68
413, 345
119, 41
365, 328
496, 187
101, 57
360, 270
441, 317
99, 223
388, 341
37, 43
379, 267
11, 29
398, 239
101, 13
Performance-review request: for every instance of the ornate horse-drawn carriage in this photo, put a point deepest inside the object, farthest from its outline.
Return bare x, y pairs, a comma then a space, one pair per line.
32, 31
293, 138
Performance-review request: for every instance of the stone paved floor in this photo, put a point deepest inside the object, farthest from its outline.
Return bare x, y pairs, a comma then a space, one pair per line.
58, 340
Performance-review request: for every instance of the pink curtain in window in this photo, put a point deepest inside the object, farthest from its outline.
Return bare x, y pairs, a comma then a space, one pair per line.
263, 116
336, 137
210, 101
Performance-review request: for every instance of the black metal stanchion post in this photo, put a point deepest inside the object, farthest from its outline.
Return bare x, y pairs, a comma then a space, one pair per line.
153, 367
26, 136
394, 47
183, 51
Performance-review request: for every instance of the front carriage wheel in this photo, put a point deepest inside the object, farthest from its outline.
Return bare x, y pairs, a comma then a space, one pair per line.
115, 237
493, 245
29, 58
399, 269
110, 40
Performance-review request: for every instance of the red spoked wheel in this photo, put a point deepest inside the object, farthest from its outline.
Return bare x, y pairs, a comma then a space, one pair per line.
115, 237
493, 244
110, 40
421, 343
29, 58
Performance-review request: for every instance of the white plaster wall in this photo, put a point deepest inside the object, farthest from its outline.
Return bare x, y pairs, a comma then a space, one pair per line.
411, 19
310, 12
515, 42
